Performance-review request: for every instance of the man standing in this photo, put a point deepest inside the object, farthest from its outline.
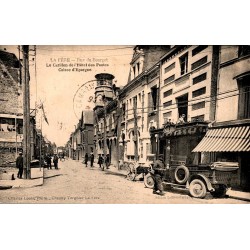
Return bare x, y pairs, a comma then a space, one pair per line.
55, 161
86, 159
92, 159
19, 165
158, 169
49, 162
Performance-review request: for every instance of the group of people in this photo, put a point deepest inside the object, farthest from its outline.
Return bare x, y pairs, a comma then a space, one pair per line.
156, 171
101, 160
48, 160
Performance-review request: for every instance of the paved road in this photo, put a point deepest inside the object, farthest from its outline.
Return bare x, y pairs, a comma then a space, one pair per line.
74, 183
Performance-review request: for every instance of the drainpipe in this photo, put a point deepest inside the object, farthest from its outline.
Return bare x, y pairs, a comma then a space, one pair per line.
158, 110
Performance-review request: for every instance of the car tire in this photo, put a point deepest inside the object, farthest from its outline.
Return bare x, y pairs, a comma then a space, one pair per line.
181, 174
149, 181
219, 192
197, 188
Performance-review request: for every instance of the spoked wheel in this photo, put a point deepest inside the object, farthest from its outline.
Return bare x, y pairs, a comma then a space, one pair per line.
131, 176
197, 188
149, 181
220, 191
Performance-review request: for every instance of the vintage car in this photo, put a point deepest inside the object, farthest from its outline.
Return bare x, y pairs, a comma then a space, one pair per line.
198, 179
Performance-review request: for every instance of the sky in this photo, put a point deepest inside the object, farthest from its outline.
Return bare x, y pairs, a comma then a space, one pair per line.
55, 87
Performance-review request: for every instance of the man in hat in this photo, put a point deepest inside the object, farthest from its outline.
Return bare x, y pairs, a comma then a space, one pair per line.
158, 169
19, 165
55, 161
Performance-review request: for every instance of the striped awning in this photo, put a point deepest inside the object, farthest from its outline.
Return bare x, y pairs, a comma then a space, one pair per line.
230, 139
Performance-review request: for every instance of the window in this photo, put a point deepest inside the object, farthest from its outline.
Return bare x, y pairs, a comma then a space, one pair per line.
135, 102
244, 50
134, 70
198, 105
154, 97
169, 79
199, 92
244, 98
200, 78
168, 93
170, 67
198, 49
198, 63
127, 111
123, 111
167, 104
198, 118
166, 116
184, 64
138, 68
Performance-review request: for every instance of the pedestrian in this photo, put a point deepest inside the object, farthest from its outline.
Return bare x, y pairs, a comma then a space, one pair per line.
48, 162
86, 159
157, 174
55, 161
92, 159
19, 165
63, 156
100, 162
107, 161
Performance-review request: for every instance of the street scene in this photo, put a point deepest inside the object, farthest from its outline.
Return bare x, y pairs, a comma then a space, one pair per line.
141, 124
75, 183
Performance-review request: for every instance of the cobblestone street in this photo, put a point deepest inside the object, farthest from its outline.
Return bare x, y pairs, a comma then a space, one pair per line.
75, 183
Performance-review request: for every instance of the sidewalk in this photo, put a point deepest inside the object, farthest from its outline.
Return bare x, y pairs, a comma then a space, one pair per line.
36, 179
240, 195
245, 196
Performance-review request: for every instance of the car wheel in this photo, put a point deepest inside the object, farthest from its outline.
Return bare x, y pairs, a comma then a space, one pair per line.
149, 181
181, 174
197, 188
219, 192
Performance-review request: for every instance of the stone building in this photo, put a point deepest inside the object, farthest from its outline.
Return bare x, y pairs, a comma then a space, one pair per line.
138, 102
106, 117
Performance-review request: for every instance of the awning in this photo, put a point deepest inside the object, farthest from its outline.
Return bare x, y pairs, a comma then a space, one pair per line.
230, 139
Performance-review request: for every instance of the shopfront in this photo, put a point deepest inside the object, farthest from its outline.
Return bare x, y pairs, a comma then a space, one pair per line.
229, 143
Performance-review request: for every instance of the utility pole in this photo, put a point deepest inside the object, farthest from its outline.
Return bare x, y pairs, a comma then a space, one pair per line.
26, 112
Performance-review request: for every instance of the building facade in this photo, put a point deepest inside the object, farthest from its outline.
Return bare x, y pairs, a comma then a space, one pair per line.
139, 104
229, 137
11, 119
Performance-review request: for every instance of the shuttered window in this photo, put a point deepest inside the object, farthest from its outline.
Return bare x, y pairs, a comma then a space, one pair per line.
170, 67
198, 49
200, 78
168, 93
199, 92
169, 79
167, 104
198, 105
199, 63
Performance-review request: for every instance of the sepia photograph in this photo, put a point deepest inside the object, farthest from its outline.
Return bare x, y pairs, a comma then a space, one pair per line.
125, 124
